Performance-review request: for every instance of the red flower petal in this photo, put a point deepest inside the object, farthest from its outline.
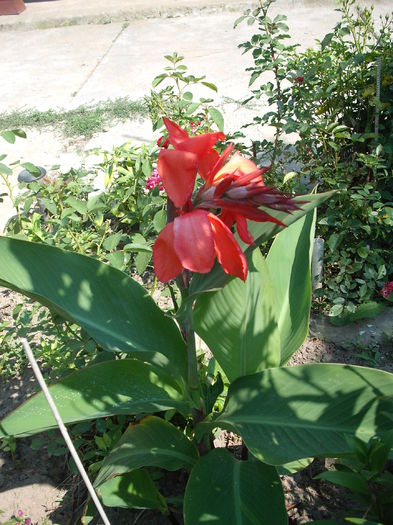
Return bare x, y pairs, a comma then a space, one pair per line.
176, 133
242, 230
248, 211
177, 170
206, 164
201, 145
220, 162
194, 242
222, 186
228, 251
237, 162
166, 263
227, 217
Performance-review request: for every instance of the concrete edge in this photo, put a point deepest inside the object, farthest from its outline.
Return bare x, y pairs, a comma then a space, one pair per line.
158, 9
122, 16
376, 330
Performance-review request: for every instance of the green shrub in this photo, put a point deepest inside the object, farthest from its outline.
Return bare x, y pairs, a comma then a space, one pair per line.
338, 99
114, 225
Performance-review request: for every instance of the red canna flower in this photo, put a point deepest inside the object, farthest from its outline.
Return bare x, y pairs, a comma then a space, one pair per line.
178, 168
236, 187
192, 241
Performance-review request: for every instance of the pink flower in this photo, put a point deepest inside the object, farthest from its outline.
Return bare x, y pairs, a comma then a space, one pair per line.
28, 521
195, 126
20, 513
387, 290
154, 180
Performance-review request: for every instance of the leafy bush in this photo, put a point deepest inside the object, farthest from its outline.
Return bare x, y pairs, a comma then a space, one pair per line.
61, 346
113, 224
176, 100
337, 100
366, 474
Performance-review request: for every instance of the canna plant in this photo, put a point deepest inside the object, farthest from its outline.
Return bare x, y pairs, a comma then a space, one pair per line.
251, 310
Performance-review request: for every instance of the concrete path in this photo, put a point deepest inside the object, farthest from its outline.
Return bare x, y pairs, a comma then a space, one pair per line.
63, 53
68, 66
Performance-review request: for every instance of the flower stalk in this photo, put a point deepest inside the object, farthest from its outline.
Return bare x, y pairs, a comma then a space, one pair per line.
183, 283
192, 363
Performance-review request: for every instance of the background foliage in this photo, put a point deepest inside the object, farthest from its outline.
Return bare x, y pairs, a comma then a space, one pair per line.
332, 110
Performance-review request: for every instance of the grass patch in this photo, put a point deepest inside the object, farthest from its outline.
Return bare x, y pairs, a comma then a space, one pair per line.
83, 120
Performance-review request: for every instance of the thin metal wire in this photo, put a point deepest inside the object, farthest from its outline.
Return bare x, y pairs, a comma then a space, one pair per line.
63, 430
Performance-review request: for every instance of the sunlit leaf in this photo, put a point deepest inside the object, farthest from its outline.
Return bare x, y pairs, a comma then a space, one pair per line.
224, 490
285, 414
113, 308
152, 442
126, 386
238, 323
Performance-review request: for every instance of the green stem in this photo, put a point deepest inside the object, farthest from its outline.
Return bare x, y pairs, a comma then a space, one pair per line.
76, 241
153, 288
77, 336
11, 195
173, 296
273, 56
192, 363
103, 237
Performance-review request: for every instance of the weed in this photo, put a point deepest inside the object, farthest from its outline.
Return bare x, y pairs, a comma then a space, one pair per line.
367, 474
370, 353
83, 120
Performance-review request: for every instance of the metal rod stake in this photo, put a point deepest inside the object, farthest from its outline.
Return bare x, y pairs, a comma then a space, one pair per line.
63, 430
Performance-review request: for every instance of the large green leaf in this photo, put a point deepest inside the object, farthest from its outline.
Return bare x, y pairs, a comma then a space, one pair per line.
152, 442
114, 309
238, 323
134, 490
222, 490
294, 466
356, 521
289, 263
353, 481
284, 414
125, 386
261, 231
361, 521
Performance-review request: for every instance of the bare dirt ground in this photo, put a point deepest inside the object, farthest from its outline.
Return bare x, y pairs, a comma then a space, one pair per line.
43, 487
